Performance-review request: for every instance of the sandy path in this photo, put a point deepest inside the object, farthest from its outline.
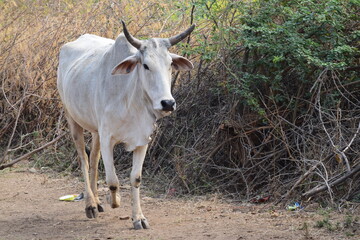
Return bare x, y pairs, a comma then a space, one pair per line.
30, 210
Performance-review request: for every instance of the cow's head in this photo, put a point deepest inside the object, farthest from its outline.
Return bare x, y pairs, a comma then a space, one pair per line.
154, 63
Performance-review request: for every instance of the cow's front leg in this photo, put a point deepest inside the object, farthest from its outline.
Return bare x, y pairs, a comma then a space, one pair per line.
138, 218
107, 147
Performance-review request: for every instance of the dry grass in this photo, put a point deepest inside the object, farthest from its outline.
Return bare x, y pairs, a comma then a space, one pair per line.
31, 33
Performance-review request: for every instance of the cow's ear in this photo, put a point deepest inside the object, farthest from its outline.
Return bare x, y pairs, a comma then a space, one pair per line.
126, 66
181, 63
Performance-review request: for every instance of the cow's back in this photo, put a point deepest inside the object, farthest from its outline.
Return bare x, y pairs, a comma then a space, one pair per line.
83, 47
78, 74
86, 50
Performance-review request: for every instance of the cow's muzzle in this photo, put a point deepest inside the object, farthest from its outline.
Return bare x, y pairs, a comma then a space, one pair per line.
168, 105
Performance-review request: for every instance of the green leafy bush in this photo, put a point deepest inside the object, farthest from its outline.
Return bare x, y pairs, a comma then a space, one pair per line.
277, 90
277, 49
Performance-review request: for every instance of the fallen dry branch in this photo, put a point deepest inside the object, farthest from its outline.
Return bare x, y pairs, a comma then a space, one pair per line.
319, 189
6, 165
300, 180
308, 172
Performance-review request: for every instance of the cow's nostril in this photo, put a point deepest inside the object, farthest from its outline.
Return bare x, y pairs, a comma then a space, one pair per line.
168, 105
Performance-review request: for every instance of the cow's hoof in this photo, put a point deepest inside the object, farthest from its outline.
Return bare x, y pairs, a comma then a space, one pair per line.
100, 208
137, 225
141, 224
91, 212
145, 223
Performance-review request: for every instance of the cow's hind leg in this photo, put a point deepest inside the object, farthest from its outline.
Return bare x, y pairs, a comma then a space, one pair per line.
94, 162
138, 217
77, 133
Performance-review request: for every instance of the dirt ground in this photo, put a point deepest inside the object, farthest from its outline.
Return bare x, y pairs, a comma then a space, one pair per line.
30, 209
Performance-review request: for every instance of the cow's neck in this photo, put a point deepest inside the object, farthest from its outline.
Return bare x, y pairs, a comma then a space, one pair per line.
138, 98
141, 118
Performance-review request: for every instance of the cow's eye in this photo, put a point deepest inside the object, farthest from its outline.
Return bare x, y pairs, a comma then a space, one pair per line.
146, 67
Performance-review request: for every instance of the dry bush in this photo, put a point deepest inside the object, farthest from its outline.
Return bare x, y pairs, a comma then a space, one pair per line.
209, 145
214, 142
250, 125
31, 33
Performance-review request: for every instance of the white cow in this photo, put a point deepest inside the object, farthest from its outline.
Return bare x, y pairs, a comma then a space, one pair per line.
116, 90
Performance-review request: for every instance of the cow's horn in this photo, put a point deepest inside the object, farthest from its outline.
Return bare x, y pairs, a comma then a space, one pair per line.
133, 41
175, 39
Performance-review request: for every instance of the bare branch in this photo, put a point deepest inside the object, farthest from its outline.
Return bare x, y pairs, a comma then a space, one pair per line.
3, 166
331, 184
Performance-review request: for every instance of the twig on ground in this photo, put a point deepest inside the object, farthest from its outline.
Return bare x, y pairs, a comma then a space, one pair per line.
331, 184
